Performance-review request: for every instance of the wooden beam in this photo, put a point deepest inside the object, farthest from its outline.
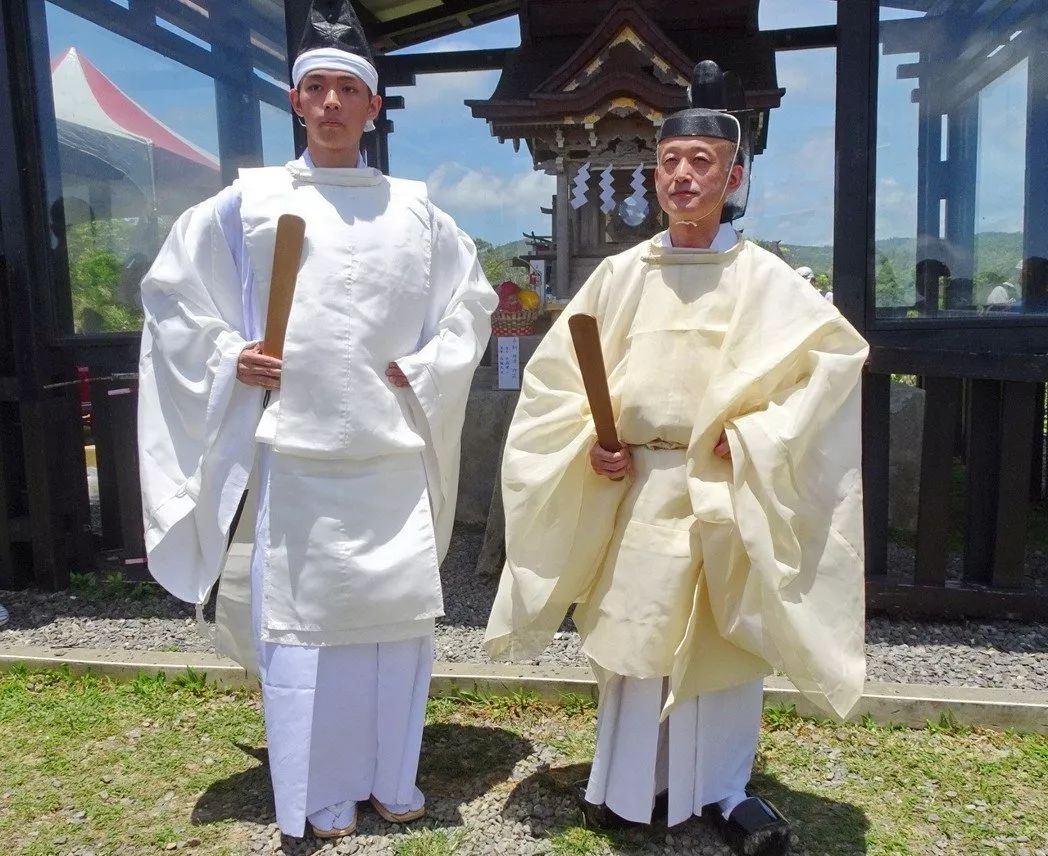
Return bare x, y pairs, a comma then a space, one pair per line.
856, 148
399, 27
803, 38
400, 70
563, 230
876, 421
1018, 406
941, 403
961, 363
367, 17
984, 437
954, 602
7, 567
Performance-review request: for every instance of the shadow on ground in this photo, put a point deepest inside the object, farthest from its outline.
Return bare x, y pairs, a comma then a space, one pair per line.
459, 764
820, 825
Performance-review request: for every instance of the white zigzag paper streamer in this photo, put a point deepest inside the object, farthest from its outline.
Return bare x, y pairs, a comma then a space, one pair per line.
578, 187
637, 182
607, 193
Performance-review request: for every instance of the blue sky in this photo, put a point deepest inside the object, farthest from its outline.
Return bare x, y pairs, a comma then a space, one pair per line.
495, 194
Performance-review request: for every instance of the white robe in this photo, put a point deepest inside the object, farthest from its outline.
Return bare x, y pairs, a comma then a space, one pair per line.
763, 554
199, 293
701, 754
197, 424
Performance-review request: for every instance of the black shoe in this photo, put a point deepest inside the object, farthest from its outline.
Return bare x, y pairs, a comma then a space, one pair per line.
600, 816
755, 828
660, 812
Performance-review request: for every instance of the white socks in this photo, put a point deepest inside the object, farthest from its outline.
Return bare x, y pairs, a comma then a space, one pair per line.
334, 816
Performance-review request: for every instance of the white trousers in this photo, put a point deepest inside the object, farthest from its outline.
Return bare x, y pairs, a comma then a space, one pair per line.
703, 753
343, 723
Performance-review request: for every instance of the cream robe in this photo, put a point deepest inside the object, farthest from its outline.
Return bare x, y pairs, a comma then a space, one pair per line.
197, 424
764, 550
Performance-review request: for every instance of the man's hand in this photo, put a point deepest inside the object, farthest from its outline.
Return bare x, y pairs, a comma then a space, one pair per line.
722, 449
396, 376
256, 369
613, 465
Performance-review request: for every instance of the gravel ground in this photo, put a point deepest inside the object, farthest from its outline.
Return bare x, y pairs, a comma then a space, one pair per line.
979, 654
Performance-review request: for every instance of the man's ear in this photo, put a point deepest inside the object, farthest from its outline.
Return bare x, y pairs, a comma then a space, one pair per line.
293, 97
735, 181
375, 108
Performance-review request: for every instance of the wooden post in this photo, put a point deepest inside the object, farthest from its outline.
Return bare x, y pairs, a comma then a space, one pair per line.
563, 236
1013, 502
876, 399
984, 437
942, 396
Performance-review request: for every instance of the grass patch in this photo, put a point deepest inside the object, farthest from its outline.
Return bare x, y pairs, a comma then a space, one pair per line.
124, 770
118, 768
574, 704
431, 842
579, 841
97, 587
575, 744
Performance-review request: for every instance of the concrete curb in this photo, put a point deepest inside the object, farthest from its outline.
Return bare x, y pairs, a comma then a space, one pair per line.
901, 704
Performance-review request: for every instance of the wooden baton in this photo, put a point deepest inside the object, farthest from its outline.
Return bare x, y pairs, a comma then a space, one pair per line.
586, 339
287, 254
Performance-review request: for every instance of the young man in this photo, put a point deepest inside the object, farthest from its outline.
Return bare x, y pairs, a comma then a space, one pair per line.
355, 454
724, 539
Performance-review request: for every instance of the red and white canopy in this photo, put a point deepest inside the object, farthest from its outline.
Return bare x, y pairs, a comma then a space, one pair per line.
101, 129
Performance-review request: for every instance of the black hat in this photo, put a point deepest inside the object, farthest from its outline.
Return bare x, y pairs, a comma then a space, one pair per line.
715, 97
717, 100
334, 24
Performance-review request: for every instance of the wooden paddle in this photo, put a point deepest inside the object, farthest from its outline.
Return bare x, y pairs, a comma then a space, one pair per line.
287, 254
586, 339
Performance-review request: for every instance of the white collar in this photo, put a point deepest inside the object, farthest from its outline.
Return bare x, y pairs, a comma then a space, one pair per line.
724, 240
303, 170
307, 161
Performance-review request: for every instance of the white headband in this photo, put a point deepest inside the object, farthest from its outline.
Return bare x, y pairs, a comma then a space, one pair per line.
333, 59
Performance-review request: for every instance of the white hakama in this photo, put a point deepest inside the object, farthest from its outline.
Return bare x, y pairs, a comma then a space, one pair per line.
343, 722
703, 753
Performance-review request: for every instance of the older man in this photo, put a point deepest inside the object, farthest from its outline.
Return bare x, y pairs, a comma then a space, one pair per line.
724, 539
354, 449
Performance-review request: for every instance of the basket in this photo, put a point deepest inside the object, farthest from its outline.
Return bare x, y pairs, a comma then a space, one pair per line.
514, 323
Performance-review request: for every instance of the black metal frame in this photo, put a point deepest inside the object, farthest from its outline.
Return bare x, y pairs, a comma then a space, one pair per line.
48, 421
966, 374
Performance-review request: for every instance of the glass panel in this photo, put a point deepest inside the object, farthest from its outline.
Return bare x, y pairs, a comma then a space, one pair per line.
961, 195
141, 139
791, 195
278, 145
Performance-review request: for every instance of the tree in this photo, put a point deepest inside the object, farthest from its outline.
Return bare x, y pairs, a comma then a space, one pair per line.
96, 250
889, 292
497, 264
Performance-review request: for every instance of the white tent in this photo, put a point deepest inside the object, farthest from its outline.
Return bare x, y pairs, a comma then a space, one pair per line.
106, 136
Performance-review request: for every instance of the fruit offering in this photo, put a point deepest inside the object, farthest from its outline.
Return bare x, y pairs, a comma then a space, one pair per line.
528, 299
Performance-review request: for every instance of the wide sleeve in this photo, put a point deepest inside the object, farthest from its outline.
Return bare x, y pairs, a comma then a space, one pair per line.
456, 335
192, 337
559, 513
797, 496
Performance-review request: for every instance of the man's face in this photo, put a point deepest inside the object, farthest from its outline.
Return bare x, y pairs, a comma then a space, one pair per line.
690, 176
335, 107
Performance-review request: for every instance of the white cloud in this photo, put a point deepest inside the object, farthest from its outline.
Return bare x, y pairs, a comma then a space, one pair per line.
446, 92
896, 209
794, 79
461, 191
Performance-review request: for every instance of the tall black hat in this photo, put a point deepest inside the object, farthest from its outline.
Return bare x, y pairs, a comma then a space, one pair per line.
334, 24
717, 101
